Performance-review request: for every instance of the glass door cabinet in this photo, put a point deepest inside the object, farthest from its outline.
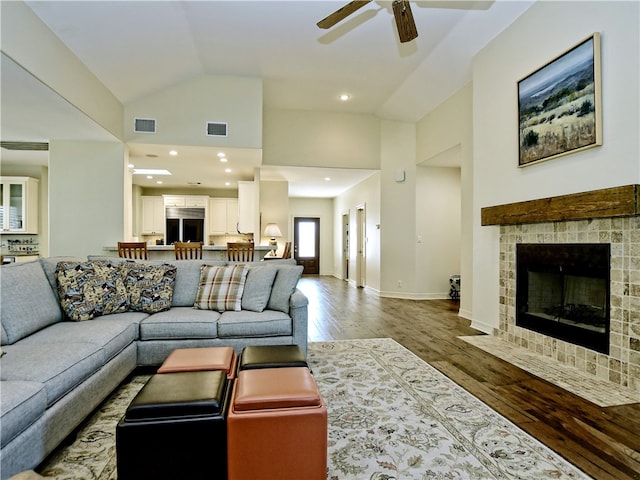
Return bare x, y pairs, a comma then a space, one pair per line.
18, 205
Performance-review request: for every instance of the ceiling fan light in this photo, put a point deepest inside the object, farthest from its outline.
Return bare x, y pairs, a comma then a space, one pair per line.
407, 30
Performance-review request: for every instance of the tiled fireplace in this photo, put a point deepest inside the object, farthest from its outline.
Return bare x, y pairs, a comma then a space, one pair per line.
622, 364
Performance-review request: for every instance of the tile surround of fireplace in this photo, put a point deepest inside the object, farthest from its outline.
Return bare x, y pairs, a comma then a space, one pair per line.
622, 365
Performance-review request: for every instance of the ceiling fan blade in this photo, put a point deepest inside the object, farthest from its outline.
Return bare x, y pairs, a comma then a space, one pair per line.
341, 13
407, 30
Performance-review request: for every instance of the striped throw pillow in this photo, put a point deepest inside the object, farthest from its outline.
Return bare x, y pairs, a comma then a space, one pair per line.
221, 288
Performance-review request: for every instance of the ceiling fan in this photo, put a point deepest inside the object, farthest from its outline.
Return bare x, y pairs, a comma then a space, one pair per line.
401, 11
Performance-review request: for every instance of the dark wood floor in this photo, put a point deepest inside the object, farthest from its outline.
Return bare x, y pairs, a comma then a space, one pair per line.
603, 442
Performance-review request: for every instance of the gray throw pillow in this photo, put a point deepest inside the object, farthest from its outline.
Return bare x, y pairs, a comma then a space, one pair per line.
284, 286
257, 288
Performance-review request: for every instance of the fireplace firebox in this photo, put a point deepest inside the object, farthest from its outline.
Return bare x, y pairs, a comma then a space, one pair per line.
562, 290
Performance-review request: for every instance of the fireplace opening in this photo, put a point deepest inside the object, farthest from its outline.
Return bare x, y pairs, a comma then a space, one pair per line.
562, 290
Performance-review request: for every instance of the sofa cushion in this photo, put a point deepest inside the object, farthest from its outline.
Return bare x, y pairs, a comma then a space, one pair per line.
283, 287
61, 367
180, 323
257, 288
90, 289
22, 404
221, 288
28, 303
109, 334
149, 287
187, 281
268, 323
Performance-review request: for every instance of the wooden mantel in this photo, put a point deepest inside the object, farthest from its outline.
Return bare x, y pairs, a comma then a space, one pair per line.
608, 202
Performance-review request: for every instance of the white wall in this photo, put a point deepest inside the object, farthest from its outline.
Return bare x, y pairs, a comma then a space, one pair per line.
437, 229
182, 111
321, 139
274, 208
32, 45
445, 137
366, 193
86, 198
397, 211
546, 30
321, 208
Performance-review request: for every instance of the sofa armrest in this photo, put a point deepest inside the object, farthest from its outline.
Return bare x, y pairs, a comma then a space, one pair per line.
299, 318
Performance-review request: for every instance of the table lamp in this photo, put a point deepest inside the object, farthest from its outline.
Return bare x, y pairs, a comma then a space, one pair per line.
272, 230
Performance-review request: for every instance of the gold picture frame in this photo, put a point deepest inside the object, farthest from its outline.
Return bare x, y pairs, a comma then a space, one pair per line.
560, 105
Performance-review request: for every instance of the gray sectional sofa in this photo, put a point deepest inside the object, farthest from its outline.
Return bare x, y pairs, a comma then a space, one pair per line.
54, 371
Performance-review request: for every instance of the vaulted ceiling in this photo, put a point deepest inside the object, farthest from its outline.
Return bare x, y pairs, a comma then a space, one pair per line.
136, 48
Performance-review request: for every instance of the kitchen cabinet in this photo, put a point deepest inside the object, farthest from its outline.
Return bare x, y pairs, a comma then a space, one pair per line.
174, 200
153, 221
196, 201
223, 216
248, 208
19, 204
185, 201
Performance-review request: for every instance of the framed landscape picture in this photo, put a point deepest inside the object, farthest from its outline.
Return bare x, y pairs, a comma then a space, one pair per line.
559, 105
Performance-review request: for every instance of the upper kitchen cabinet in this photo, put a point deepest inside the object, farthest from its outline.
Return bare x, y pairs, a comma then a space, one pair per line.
185, 201
248, 208
152, 216
19, 204
223, 216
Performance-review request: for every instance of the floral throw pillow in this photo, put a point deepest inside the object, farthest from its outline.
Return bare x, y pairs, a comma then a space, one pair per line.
221, 288
90, 289
150, 287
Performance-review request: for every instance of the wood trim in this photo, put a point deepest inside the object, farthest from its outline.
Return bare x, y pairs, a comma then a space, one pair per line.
608, 202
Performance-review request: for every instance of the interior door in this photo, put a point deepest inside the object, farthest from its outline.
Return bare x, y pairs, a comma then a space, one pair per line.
306, 241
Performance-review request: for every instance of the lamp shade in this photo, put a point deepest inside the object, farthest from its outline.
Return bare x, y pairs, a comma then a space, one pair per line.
272, 230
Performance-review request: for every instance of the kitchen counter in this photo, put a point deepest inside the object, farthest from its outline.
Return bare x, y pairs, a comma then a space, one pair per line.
209, 252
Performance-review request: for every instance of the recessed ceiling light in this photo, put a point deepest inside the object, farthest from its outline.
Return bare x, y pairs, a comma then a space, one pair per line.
131, 165
227, 170
149, 177
159, 182
150, 171
327, 179
226, 184
222, 154
173, 153
344, 97
224, 159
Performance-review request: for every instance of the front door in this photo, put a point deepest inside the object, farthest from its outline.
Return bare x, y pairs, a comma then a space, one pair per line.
306, 241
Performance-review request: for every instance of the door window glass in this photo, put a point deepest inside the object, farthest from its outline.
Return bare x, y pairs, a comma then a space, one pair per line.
307, 245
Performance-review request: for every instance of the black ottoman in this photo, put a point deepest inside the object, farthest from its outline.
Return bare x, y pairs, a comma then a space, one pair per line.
272, 356
175, 427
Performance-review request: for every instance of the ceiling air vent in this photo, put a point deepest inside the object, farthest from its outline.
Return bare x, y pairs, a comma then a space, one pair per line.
144, 125
216, 129
33, 146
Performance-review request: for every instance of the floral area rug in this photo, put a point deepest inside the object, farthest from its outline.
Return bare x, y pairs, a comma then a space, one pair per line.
391, 417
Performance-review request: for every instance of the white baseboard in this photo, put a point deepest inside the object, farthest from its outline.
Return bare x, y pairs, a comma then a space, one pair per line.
415, 296
483, 327
465, 314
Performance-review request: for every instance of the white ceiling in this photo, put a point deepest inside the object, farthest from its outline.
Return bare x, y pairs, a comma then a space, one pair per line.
139, 47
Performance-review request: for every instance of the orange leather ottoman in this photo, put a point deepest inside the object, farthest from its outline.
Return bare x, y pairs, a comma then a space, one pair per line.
175, 428
277, 426
198, 359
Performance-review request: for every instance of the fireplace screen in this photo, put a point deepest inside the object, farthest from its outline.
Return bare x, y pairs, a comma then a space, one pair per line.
562, 290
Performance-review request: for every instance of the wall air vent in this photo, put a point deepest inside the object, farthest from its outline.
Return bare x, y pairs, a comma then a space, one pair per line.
32, 146
144, 125
216, 129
